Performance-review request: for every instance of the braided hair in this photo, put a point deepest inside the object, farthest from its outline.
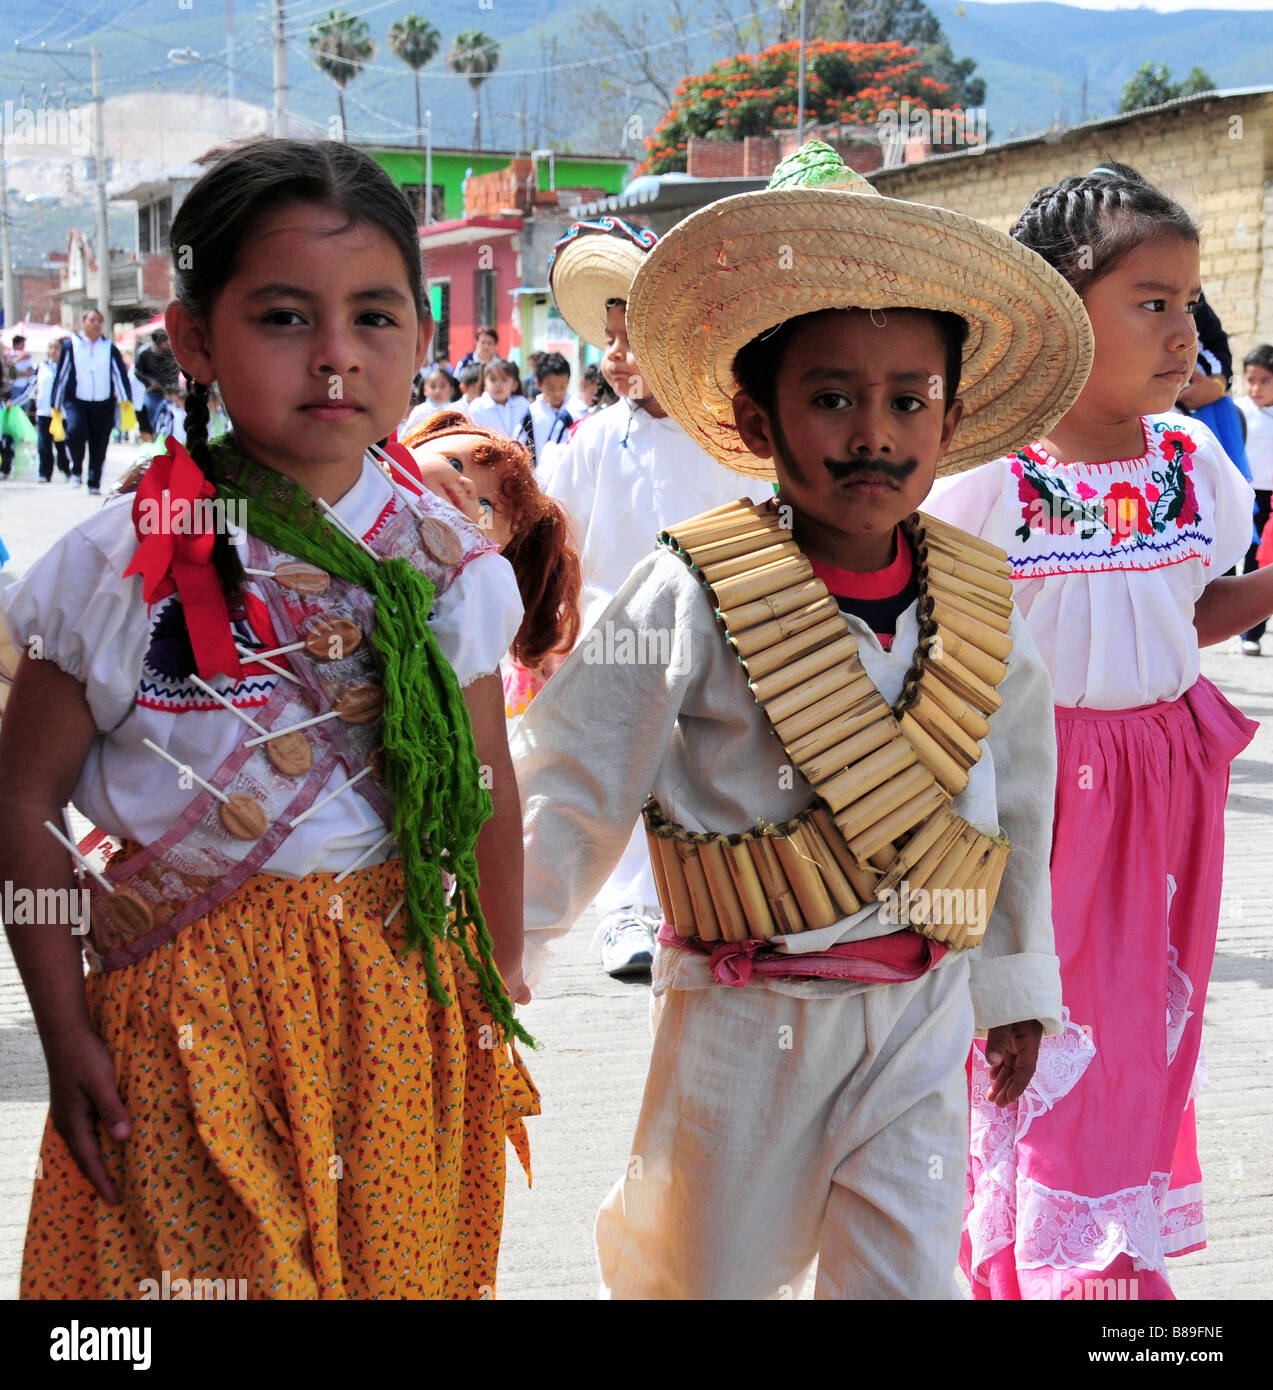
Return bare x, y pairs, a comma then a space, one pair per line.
218, 217
1083, 225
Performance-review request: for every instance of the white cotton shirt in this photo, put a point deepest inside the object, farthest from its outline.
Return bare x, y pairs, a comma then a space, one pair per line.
92, 368
683, 725
624, 477
506, 418
95, 625
1111, 611
1259, 442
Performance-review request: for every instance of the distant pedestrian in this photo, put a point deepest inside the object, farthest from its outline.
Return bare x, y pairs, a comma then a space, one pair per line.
48, 446
91, 378
500, 407
485, 347
157, 372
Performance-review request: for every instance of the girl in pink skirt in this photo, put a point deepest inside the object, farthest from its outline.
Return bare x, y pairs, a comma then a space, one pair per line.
1093, 1173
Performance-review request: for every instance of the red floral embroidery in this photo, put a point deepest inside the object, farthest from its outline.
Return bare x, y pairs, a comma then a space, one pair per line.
1127, 513
1169, 440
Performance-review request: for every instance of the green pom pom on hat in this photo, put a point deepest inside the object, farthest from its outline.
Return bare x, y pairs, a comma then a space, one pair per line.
817, 165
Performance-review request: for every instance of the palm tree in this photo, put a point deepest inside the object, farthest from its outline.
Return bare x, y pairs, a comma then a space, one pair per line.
416, 42
477, 55
341, 44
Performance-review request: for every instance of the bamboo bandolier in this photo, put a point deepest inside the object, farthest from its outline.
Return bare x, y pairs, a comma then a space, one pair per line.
885, 776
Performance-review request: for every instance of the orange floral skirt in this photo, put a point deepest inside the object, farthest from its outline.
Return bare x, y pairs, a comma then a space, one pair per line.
306, 1121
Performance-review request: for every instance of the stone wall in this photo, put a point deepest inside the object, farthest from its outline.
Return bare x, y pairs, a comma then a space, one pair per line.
1215, 157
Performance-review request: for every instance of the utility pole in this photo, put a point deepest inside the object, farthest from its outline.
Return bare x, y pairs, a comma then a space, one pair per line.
800, 85
10, 289
229, 67
103, 228
428, 170
279, 128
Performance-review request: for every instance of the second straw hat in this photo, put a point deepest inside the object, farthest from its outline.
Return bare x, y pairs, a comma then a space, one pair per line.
594, 262
821, 237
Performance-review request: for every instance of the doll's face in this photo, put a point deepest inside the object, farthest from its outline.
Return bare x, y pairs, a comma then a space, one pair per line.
451, 471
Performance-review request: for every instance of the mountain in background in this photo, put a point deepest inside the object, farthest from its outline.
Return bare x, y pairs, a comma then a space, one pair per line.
560, 82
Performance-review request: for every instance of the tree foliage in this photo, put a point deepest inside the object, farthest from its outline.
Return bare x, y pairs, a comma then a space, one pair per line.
341, 44
416, 42
845, 83
476, 55
1152, 85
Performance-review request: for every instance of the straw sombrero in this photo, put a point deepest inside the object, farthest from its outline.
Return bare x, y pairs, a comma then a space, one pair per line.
820, 237
593, 262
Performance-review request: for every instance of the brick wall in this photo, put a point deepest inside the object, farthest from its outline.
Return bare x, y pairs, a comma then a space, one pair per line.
756, 156
1214, 157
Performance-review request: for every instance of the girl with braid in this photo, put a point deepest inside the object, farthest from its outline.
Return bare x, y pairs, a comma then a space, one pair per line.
272, 679
1117, 526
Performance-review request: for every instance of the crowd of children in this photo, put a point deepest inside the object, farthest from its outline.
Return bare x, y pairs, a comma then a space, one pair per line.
864, 660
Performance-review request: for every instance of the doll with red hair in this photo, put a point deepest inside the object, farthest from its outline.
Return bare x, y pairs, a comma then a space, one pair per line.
491, 479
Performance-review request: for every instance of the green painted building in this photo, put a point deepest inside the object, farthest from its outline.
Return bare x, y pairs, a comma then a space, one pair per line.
405, 165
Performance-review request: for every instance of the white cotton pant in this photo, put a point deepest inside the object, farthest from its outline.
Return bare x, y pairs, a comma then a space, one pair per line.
777, 1129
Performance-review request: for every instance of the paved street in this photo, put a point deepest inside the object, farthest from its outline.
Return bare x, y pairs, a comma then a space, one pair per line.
595, 1036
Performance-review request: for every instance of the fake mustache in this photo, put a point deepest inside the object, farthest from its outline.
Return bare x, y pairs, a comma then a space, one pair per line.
841, 469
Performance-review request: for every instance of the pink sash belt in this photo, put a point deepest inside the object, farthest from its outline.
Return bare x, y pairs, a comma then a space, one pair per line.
883, 960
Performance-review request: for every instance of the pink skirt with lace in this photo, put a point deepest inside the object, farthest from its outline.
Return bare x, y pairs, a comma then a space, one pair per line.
1085, 1185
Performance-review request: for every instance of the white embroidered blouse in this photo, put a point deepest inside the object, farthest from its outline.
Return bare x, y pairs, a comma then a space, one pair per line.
1109, 559
94, 624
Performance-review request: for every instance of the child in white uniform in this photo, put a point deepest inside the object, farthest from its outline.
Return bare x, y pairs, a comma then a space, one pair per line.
806, 1095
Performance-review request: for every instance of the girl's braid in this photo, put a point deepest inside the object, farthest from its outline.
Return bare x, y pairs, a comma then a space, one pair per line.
225, 558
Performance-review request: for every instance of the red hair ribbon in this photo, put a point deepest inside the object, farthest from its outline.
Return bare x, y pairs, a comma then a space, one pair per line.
174, 554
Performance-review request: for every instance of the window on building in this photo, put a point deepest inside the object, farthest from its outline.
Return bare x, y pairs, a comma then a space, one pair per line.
414, 194
163, 220
440, 303
485, 302
144, 242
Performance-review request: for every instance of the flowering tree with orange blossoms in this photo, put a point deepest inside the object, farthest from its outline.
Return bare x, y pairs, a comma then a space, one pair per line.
849, 83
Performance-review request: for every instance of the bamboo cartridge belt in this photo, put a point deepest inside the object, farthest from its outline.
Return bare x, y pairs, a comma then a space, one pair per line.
885, 776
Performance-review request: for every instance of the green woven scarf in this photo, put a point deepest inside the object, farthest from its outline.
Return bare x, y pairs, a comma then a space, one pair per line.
431, 765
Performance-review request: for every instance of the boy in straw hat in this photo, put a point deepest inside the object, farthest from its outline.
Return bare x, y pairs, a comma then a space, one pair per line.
626, 473
851, 774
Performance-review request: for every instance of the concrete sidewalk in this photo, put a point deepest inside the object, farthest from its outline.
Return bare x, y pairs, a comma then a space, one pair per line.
595, 1037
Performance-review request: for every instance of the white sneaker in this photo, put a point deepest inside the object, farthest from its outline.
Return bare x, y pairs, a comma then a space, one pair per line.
1250, 648
627, 943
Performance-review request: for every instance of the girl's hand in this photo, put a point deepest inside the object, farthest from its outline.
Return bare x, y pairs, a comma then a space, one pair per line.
1012, 1053
518, 991
81, 1092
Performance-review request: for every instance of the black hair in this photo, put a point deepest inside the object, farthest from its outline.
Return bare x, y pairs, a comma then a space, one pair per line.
19, 340
489, 330
470, 373
1084, 225
502, 364
592, 374
551, 364
1261, 356
616, 304
757, 363
437, 369
219, 216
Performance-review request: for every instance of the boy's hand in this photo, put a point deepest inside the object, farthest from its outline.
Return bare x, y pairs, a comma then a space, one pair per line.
81, 1092
1012, 1052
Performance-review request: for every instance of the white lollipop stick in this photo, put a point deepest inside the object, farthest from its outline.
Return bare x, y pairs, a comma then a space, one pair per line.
279, 651
366, 854
292, 728
70, 835
221, 700
331, 796
389, 461
265, 574
77, 856
397, 907
186, 768
247, 655
330, 514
